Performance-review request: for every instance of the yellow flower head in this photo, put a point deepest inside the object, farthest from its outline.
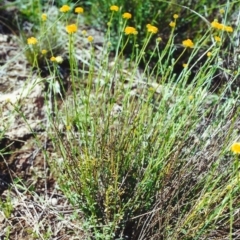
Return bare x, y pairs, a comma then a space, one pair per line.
217, 39
159, 39
59, 59
114, 8
90, 38
217, 25
130, 30
188, 43
152, 29
235, 148
185, 65
221, 11
172, 24
68, 127
44, 51
53, 59
72, 28
32, 41
79, 10
190, 97
65, 8
44, 17
209, 54
127, 15
84, 32
228, 29
175, 16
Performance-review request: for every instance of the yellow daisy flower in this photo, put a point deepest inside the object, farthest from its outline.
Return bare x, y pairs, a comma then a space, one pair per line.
114, 8
32, 41
72, 28
84, 32
79, 10
235, 148
217, 25
65, 8
209, 54
44, 51
175, 16
217, 39
190, 97
228, 29
127, 15
68, 127
44, 17
221, 10
130, 30
53, 59
152, 29
90, 38
59, 59
172, 24
188, 43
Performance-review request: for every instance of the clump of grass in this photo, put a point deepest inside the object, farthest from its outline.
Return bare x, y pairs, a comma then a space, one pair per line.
6, 207
146, 155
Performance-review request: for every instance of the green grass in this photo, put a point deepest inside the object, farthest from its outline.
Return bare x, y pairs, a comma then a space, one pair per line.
145, 151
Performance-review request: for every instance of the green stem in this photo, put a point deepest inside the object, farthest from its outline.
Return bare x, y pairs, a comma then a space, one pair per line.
72, 66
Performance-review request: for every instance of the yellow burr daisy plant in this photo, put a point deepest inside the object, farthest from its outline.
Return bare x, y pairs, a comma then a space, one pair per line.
175, 16
209, 54
188, 43
65, 8
79, 10
215, 24
235, 148
190, 97
59, 59
222, 11
53, 59
44, 52
130, 30
127, 15
172, 24
152, 29
32, 41
44, 17
228, 29
114, 8
90, 38
217, 39
84, 32
72, 28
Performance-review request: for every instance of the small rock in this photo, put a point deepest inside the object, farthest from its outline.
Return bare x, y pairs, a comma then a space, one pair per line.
54, 201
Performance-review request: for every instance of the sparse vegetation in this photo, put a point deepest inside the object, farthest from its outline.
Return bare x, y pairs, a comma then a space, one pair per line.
140, 135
